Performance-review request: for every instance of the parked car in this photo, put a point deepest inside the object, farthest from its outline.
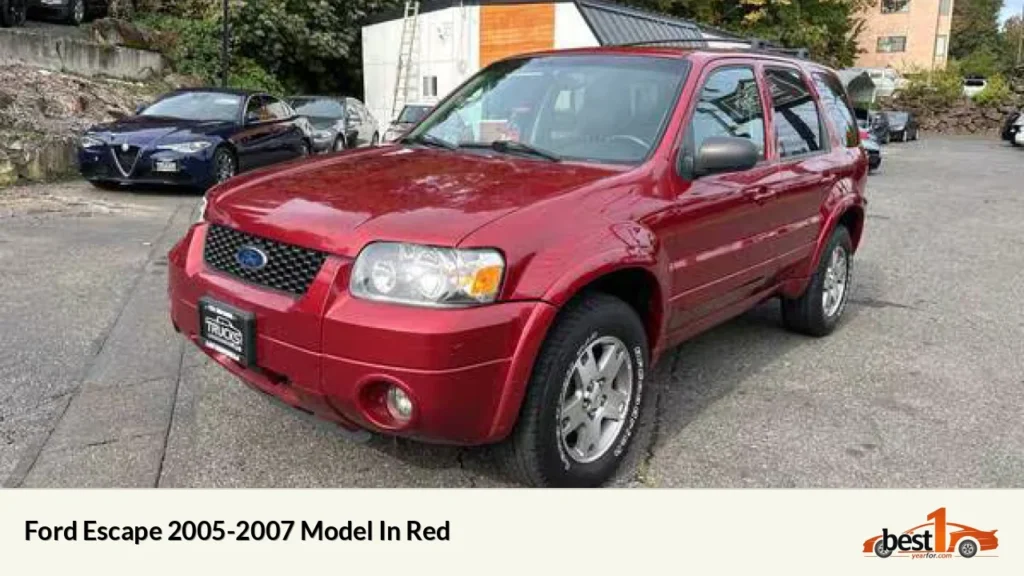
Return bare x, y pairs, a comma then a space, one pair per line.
338, 122
872, 147
973, 86
70, 11
12, 13
876, 122
410, 115
902, 125
888, 81
1013, 128
513, 276
196, 137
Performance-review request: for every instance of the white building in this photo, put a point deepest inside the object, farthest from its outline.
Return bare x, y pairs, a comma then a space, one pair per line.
455, 38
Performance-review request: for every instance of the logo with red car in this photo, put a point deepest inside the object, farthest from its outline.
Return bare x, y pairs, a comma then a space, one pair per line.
935, 539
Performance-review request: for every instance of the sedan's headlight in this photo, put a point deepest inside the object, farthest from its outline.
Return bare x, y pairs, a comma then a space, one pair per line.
427, 275
186, 147
90, 142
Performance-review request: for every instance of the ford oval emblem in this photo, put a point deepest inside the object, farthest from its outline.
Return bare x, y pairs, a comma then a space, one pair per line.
251, 258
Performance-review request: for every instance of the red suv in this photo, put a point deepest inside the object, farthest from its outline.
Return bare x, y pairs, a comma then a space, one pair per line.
512, 269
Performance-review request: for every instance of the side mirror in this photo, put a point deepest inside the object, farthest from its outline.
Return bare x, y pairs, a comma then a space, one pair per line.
139, 109
719, 154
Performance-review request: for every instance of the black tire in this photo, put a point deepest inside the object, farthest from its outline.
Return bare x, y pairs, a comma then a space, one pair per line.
807, 314
76, 12
305, 149
105, 185
339, 144
880, 550
225, 166
534, 453
375, 140
886, 137
967, 548
12, 13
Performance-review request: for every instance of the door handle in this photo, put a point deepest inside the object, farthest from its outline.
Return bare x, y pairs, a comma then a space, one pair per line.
761, 194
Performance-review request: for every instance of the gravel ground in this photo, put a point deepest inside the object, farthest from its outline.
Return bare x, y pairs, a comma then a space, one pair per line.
922, 385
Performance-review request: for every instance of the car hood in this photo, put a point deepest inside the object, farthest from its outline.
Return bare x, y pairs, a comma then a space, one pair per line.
339, 203
147, 130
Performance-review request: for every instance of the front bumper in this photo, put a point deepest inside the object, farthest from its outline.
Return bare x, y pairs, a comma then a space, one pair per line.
327, 353
100, 164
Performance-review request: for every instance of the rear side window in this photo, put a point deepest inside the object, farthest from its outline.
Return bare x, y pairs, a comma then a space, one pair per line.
729, 105
837, 107
797, 124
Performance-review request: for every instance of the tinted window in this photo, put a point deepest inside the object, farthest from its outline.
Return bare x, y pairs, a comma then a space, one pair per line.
837, 107
257, 108
729, 105
797, 125
597, 108
197, 106
318, 107
413, 114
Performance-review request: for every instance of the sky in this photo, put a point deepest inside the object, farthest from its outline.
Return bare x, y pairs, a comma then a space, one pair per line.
1010, 8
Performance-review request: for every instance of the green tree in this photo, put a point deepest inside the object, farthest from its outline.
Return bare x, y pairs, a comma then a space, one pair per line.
828, 28
975, 27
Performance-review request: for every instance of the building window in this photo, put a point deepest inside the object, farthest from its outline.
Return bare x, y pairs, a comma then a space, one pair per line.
892, 44
430, 86
940, 46
944, 6
895, 6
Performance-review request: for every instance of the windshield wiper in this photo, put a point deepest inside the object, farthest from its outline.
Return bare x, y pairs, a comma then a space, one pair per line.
429, 140
514, 147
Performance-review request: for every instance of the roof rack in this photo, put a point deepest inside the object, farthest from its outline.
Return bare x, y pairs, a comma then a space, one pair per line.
754, 44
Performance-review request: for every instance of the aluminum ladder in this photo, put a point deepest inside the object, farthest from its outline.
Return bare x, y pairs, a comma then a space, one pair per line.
406, 54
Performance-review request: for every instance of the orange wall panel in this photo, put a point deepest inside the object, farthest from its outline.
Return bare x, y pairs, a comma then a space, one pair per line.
515, 29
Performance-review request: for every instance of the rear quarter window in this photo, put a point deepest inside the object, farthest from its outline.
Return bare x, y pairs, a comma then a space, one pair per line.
836, 105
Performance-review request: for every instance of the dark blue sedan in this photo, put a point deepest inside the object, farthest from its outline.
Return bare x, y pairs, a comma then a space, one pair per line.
196, 138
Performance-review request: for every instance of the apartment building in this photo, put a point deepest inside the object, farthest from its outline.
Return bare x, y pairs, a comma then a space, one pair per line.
906, 34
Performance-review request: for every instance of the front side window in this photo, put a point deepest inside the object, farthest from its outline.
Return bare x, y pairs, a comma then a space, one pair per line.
202, 106
837, 107
609, 109
277, 109
892, 44
797, 124
729, 105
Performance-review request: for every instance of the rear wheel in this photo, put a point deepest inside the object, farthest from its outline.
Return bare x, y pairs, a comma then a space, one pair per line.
967, 548
818, 310
584, 397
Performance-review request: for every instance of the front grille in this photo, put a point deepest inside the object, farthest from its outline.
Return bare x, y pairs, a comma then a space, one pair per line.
288, 268
126, 158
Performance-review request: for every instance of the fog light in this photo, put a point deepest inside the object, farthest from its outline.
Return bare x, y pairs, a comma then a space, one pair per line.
399, 404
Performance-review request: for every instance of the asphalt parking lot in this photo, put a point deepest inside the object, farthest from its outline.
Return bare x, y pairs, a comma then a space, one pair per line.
922, 385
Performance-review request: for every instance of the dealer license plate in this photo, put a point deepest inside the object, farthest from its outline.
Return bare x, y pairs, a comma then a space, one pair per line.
228, 330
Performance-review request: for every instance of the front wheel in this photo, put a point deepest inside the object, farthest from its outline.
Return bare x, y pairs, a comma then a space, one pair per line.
76, 12
584, 398
818, 310
224, 165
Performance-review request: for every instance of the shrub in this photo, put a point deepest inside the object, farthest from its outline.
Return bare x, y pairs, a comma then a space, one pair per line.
997, 91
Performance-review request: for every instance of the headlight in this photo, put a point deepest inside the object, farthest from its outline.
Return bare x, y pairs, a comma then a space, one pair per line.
186, 147
90, 142
427, 275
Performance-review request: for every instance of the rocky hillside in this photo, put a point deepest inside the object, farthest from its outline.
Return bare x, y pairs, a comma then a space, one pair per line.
42, 113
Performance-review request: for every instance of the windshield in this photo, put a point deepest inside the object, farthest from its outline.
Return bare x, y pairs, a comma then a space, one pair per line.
609, 109
318, 107
203, 106
412, 114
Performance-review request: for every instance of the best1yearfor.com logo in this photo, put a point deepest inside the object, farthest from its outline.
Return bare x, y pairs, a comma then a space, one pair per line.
935, 539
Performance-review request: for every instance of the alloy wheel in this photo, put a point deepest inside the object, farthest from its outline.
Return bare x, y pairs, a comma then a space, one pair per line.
78, 10
225, 167
834, 289
595, 398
